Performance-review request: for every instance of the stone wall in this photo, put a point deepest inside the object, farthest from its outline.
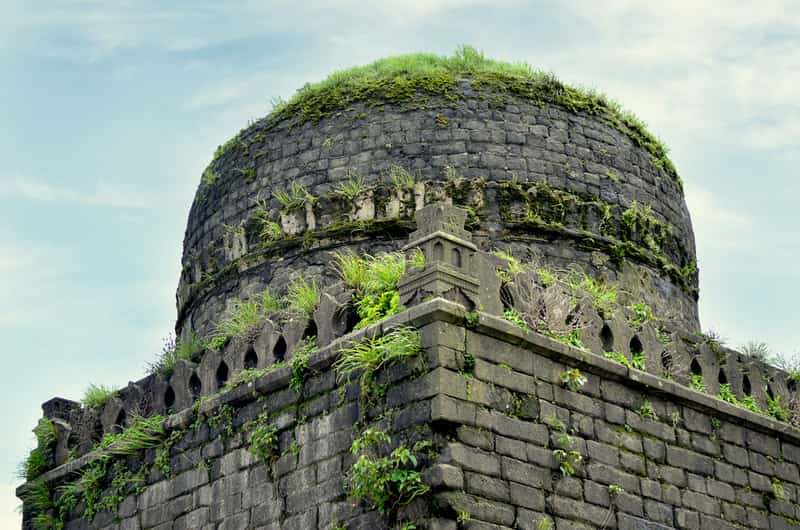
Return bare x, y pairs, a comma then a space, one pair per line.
500, 426
649, 453
485, 136
646, 452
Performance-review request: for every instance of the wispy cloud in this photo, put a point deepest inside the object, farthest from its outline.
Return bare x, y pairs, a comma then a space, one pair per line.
9, 516
732, 72
103, 194
717, 225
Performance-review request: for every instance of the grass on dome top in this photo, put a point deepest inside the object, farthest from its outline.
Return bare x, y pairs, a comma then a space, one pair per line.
414, 78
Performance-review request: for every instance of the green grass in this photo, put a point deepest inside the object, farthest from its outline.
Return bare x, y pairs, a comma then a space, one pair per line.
143, 433
268, 229
414, 79
372, 354
697, 383
400, 178
184, 349
242, 316
642, 314
299, 362
351, 188
96, 396
294, 198
40, 458
375, 280
303, 296
604, 295
249, 375
514, 316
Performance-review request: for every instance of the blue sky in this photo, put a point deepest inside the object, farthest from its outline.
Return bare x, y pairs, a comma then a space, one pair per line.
109, 111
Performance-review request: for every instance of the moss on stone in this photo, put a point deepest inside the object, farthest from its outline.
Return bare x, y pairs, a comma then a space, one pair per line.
414, 79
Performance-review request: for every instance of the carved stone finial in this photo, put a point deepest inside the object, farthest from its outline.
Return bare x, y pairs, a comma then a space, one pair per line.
449, 258
440, 217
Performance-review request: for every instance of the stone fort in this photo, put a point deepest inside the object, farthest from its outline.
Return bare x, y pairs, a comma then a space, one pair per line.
433, 293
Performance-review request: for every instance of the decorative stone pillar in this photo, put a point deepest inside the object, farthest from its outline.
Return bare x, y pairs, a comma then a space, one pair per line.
449, 270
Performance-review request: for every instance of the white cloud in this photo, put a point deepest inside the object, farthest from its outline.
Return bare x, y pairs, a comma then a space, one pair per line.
718, 226
104, 194
730, 73
9, 515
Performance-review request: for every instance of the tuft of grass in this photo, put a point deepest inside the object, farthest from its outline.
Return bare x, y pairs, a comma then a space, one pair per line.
40, 458
303, 296
604, 296
513, 316
249, 375
243, 316
642, 314
294, 198
400, 178
352, 188
372, 354
267, 228
375, 280
352, 269
299, 362
209, 177
96, 396
173, 351
757, 350
417, 259
697, 383
143, 433
546, 276
513, 268
647, 411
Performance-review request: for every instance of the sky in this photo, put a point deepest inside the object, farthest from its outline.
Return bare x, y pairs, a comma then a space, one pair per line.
110, 110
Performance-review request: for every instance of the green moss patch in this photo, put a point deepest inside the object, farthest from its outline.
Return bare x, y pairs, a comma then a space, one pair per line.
414, 79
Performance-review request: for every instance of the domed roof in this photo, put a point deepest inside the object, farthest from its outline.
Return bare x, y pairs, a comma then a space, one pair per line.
546, 171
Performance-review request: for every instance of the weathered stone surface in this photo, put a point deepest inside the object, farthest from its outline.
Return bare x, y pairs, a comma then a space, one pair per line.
485, 464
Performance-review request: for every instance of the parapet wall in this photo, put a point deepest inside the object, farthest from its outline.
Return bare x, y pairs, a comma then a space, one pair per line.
520, 428
645, 452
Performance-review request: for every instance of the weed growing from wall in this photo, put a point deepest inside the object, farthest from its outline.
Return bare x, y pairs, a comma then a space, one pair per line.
573, 379
40, 459
299, 362
373, 354
641, 313
374, 280
243, 316
697, 383
96, 396
647, 411
173, 351
352, 188
389, 482
294, 198
268, 229
303, 296
513, 316
264, 443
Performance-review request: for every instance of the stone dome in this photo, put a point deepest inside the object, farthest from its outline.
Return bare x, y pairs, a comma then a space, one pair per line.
547, 172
